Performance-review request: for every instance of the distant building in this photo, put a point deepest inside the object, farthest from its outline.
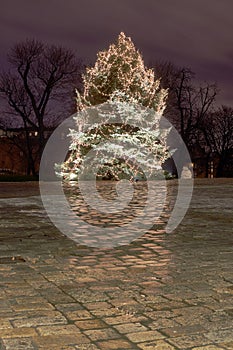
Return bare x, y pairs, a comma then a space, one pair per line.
13, 151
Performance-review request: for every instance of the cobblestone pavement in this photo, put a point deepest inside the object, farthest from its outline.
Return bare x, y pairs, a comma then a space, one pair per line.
161, 292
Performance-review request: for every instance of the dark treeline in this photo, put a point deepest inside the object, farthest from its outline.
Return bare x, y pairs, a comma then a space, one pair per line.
38, 92
206, 129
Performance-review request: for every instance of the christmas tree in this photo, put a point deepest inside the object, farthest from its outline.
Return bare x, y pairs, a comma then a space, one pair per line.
127, 102
121, 69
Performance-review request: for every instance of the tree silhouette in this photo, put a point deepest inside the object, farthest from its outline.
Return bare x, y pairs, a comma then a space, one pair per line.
40, 77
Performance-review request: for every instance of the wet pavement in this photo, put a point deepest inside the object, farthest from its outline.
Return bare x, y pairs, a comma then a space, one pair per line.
160, 292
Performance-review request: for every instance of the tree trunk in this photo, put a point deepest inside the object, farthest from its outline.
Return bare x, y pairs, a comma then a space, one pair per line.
221, 163
207, 167
30, 160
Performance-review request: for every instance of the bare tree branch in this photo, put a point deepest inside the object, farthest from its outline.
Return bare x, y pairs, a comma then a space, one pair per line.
39, 75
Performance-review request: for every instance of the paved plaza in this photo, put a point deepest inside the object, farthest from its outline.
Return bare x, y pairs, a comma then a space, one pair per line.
160, 292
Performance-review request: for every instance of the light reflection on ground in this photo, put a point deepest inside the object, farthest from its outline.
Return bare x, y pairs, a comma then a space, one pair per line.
162, 291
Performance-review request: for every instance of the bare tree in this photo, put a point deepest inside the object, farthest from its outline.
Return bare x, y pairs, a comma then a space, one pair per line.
38, 86
188, 103
217, 128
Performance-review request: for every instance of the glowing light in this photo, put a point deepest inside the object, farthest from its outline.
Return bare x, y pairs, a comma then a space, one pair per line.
120, 77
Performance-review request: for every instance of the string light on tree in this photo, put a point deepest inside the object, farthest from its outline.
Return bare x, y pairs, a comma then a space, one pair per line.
121, 68
120, 78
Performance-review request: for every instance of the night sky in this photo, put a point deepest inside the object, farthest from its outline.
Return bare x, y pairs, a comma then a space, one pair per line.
192, 33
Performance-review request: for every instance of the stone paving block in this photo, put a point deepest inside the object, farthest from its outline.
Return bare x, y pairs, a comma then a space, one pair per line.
32, 306
121, 296
85, 295
16, 291
53, 318
133, 309
210, 302
112, 312
130, 328
163, 323
216, 325
68, 307
57, 298
153, 298
184, 295
189, 320
85, 279
90, 324
5, 304
30, 300
120, 319
209, 347
11, 315
185, 342
115, 345
183, 330
151, 284
158, 315
139, 337
156, 345
5, 324
78, 315
191, 312
57, 330
221, 335
102, 334
98, 306
86, 347
166, 305
62, 341
104, 288
61, 347
17, 332
228, 345
18, 344
120, 302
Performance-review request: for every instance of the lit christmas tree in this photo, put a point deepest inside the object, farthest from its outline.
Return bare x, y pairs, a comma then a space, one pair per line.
133, 96
121, 69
